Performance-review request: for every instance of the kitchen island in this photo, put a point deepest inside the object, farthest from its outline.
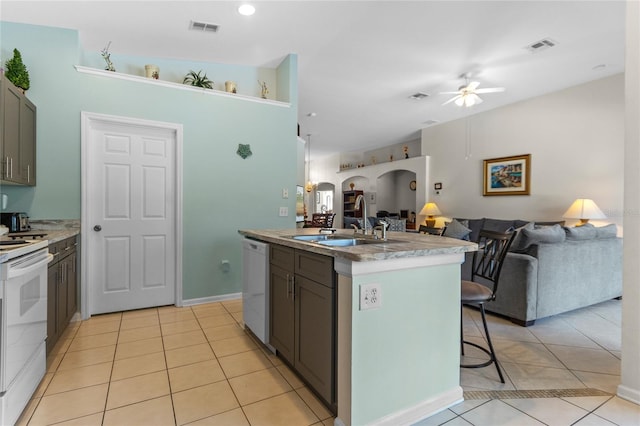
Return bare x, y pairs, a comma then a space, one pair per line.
398, 362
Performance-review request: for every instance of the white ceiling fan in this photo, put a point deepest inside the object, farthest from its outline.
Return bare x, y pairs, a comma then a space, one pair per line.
467, 94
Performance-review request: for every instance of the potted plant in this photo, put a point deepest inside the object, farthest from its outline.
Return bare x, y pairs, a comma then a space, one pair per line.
195, 79
17, 72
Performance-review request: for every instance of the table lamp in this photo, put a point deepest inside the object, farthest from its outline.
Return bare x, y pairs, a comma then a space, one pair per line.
583, 209
430, 210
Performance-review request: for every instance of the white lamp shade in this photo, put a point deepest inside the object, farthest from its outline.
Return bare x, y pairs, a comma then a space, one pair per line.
584, 208
430, 209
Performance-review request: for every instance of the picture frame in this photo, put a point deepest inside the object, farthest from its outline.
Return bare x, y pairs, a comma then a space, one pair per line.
507, 175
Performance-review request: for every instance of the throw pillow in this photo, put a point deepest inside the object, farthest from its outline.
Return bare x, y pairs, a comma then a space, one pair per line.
578, 233
399, 225
457, 229
519, 241
539, 235
348, 221
607, 231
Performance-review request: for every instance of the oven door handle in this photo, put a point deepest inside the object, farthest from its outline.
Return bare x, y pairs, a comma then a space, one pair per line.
19, 271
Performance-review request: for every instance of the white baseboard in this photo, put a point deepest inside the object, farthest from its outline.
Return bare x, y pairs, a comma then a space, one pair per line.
211, 299
632, 395
423, 410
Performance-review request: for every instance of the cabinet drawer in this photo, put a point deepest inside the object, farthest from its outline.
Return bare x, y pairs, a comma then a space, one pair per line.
316, 267
282, 256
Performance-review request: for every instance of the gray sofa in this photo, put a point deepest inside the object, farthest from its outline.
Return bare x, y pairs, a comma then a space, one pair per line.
552, 269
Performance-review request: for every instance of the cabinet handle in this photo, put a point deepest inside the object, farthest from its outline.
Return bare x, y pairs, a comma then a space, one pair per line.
28, 173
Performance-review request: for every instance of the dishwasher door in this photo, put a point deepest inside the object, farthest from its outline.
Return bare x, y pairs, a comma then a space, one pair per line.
255, 288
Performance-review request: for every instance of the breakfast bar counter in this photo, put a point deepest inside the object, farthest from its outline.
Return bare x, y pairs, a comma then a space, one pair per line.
397, 362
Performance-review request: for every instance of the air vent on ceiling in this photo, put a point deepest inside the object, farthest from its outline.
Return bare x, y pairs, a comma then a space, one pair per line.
419, 95
541, 45
203, 26
430, 122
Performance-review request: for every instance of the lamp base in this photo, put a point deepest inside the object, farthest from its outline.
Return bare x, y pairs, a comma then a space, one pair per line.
431, 223
582, 222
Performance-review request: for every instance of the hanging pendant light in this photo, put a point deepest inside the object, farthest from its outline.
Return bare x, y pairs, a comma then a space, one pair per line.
309, 186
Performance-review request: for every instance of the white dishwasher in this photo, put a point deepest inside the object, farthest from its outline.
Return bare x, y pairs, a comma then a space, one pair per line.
255, 288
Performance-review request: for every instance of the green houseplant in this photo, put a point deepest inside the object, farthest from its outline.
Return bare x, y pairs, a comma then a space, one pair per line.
16, 71
195, 79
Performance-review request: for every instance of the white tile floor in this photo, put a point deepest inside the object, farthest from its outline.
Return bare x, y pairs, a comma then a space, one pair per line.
578, 350
195, 365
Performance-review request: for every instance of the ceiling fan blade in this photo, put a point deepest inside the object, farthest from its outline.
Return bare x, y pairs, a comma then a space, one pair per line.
452, 99
491, 90
471, 87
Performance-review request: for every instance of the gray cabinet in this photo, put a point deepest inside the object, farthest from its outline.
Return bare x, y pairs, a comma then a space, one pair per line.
303, 312
18, 135
62, 288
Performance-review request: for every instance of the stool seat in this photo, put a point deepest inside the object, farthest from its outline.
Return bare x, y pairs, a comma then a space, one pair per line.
475, 293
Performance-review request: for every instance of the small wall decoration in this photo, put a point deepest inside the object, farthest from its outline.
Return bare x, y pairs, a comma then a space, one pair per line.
264, 91
107, 58
244, 151
507, 175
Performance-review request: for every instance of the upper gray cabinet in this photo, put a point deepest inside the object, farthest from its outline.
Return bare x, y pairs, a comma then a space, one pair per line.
18, 136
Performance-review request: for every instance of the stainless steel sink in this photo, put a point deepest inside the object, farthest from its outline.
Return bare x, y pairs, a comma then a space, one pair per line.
339, 240
346, 242
321, 237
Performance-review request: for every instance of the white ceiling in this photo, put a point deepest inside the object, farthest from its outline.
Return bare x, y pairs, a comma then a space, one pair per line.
359, 61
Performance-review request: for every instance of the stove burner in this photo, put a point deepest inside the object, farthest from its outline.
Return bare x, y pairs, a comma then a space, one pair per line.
31, 235
13, 242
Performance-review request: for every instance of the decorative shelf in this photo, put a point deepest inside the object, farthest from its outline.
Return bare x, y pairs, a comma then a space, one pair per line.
179, 86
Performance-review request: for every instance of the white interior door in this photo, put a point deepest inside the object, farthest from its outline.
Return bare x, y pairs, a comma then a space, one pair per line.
130, 218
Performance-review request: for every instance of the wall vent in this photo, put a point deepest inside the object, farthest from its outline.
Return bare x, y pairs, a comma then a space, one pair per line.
203, 26
419, 95
541, 45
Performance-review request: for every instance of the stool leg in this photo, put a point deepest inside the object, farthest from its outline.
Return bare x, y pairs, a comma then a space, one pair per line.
461, 335
493, 353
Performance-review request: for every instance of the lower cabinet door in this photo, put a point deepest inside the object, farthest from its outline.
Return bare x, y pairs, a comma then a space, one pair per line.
52, 322
314, 335
281, 329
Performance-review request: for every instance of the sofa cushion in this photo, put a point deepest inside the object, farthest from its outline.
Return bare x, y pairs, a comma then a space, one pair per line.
498, 225
607, 231
457, 229
578, 233
519, 242
530, 236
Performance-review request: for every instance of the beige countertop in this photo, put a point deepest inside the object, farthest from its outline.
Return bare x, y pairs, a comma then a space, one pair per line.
56, 230
399, 245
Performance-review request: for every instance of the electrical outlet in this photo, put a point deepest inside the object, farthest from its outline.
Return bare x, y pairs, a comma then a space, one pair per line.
370, 296
284, 211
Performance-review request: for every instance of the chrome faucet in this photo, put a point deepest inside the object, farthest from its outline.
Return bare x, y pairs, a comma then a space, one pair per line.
365, 219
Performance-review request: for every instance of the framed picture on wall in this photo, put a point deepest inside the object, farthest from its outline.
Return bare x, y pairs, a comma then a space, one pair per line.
507, 175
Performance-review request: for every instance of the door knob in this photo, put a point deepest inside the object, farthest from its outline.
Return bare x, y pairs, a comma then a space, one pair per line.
97, 228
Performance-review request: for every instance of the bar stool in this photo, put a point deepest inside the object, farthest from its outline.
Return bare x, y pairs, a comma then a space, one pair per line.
487, 264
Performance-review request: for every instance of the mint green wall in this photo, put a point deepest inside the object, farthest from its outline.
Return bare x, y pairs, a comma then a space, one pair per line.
404, 352
221, 192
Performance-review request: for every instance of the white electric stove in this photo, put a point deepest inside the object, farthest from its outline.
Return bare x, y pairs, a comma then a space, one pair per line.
23, 320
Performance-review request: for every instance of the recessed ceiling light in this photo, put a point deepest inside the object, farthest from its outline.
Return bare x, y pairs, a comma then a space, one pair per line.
246, 10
